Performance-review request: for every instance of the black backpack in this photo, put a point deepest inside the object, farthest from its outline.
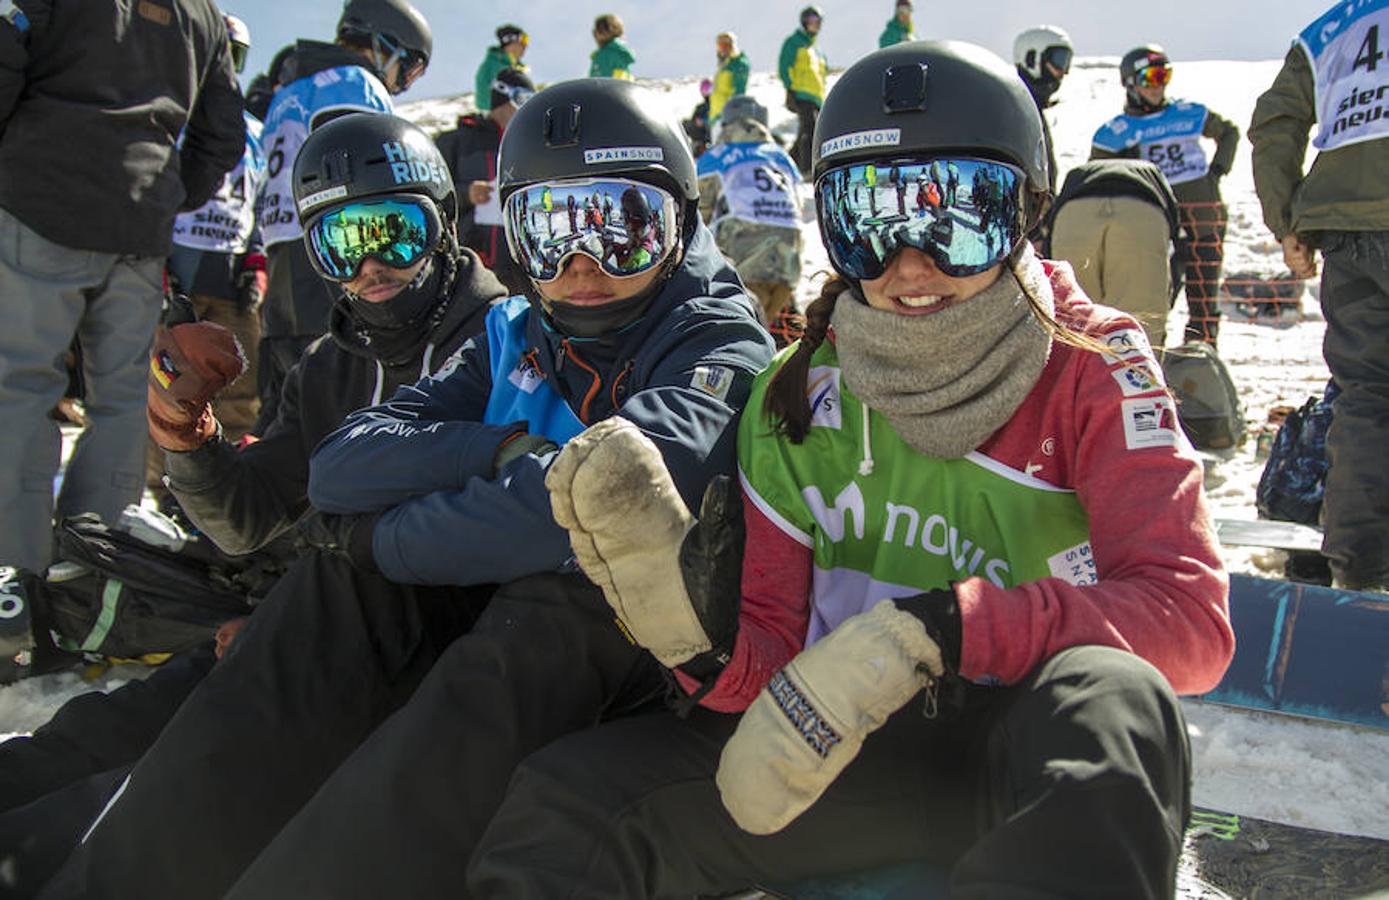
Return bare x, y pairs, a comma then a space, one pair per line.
115, 594
1207, 403
1294, 478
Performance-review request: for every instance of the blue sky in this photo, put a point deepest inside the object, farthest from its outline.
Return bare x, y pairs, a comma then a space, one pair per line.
677, 38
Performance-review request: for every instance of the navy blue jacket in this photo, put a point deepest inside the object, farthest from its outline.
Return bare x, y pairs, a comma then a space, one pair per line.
425, 458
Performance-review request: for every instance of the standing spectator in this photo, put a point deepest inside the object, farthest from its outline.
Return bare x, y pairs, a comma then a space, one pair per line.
512, 42
613, 58
1169, 134
1115, 222
382, 47
1340, 206
747, 195
899, 27
471, 153
93, 99
732, 77
1043, 58
218, 262
803, 69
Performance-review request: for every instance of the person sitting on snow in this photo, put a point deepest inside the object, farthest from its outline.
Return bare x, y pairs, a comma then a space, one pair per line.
362, 711
951, 644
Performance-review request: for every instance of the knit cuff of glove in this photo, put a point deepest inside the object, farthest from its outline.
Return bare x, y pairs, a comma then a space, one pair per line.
181, 437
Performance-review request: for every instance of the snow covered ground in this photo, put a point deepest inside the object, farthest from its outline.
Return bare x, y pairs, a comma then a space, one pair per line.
1251, 763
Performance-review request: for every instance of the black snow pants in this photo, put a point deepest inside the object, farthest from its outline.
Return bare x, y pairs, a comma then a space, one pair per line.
806, 115
1075, 783
55, 782
402, 815
1355, 302
327, 657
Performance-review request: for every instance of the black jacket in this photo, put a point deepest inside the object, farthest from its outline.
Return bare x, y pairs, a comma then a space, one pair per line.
1135, 178
93, 98
242, 499
1121, 177
471, 153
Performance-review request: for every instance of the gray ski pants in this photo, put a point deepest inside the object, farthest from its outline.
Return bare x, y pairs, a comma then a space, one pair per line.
1355, 302
49, 294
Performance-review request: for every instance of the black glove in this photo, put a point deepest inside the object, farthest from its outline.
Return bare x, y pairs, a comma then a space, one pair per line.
517, 446
250, 281
1217, 171
346, 535
711, 562
791, 100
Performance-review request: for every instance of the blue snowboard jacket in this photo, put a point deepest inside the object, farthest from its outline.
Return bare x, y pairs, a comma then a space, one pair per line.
424, 460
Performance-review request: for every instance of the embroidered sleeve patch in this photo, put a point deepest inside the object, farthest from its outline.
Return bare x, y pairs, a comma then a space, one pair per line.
713, 380
1150, 422
163, 369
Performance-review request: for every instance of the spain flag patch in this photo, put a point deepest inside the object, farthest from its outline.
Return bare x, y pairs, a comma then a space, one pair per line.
163, 368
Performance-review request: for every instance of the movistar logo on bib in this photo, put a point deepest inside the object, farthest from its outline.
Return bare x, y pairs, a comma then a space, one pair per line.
904, 525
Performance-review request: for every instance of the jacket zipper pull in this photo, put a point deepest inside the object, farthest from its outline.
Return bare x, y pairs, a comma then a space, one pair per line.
560, 354
930, 706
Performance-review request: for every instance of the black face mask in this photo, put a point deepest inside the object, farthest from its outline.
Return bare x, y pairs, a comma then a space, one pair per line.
592, 321
405, 308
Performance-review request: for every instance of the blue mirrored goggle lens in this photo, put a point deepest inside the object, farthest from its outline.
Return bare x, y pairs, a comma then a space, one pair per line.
397, 232
966, 214
627, 227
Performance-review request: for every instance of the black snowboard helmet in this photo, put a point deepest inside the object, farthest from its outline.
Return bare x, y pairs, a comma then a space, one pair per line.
363, 155
934, 98
390, 28
1135, 61
594, 127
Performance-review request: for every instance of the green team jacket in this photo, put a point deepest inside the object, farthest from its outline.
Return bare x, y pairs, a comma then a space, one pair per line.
895, 33
612, 60
1347, 188
730, 81
803, 68
495, 60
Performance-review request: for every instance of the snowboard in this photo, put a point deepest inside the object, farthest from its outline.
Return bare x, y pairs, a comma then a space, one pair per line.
1248, 857
1307, 650
1268, 533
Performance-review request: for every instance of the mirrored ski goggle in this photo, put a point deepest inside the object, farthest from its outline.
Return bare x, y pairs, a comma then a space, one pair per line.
1153, 76
966, 214
1057, 57
398, 231
627, 227
238, 56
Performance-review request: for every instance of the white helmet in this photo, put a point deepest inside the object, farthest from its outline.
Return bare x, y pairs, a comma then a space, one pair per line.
239, 38
1030, 48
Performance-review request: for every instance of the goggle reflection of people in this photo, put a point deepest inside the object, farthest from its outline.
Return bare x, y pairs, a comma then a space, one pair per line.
965, 213
626, 237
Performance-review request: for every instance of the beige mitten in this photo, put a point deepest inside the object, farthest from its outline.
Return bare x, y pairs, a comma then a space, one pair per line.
812, 717
610, 489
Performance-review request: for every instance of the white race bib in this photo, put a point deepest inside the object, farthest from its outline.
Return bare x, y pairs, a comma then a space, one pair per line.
1348, 50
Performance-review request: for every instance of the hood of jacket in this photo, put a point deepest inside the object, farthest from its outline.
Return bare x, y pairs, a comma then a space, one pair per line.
311, 57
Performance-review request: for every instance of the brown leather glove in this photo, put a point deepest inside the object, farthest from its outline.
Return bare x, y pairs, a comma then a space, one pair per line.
189, 365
